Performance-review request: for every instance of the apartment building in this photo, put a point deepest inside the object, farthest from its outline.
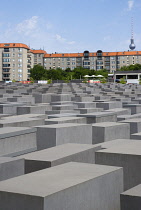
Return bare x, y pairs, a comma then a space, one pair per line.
17, 59
111, 61
38, 56
13, 61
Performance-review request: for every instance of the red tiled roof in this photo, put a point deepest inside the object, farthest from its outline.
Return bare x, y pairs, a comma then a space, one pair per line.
38, 51
13, 45
91, 54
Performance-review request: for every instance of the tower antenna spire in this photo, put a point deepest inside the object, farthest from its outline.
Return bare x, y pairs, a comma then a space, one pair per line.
132, 46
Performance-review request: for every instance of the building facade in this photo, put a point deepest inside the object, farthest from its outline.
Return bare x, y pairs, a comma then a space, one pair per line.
111, 61
17, 59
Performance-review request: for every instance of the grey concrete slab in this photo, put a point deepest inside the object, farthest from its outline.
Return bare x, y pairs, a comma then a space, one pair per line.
120, 111
98, 117
65, 120
115, 142
131, 199
135, 108
136, 136
64, 187
57, 134
109, 105
108, 131
126, 155
15, 141
21, 122
32, 109
88, 110
11, 167
58, 155
135, 125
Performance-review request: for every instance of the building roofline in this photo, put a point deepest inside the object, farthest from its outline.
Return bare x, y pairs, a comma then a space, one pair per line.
38, 51
93, 54
127, 72
13, 45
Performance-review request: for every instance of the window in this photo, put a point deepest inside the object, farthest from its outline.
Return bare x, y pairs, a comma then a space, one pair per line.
19, 60
13, 54
6, 45
19, 55
73, 63
86, 63
19, 70
19, 65
6, 60
99, 63
6, 49
20, 49
6, 70
113, 67
112, 58
99, 67
6, 65
6, 55
113, 62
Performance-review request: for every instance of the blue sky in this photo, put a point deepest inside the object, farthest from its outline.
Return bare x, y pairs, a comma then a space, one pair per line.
71, 25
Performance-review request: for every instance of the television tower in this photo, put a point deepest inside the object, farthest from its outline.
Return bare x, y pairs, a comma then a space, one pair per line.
132, 46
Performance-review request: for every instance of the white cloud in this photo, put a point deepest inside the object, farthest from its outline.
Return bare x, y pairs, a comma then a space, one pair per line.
130, 5
59, 38
107, 38
28, 26
71, 42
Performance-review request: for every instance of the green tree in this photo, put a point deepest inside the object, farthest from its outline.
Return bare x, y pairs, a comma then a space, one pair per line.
123, 81
135, 67
37, 72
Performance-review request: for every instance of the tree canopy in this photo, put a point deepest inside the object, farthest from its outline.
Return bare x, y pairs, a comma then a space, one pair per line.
39, 73
131, 67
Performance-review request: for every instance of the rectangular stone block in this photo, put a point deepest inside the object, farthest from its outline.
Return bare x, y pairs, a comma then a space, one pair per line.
71, 186
16, 141
40, 109
60, 97
65, 120
57, 134
11, 167
98, 117
126, 155
131, 199
58, 155
120, 111
108, 131
135, 108
135, 125
109, 105
21, 121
